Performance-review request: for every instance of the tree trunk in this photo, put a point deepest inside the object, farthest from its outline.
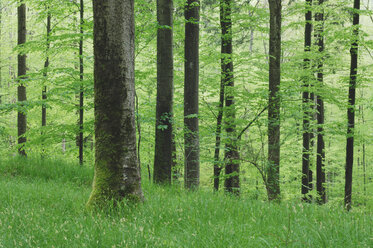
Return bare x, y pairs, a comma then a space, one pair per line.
116, 172
320, 156
306, 105
219, 118
21, 89
273, 172
191, 82
231, 156
81, 89
351, 107
45, 75
1, 65
163, 128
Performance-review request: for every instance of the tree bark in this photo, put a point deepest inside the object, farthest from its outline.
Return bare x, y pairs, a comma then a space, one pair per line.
320, 156
191, 84
45, 75
21, 89
81, 89
164, 112
231, 156
306, 104
219, 118
116, 172
273, 172
351, 106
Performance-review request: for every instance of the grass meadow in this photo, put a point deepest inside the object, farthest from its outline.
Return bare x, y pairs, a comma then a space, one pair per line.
42, 204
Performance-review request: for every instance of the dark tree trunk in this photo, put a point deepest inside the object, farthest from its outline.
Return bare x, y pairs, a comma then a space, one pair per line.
164, 114
273, 172
306, 105
320, 156
116, 169
351, 107
191, 82
81, 89
45, 75
21, 89
217, 164
1, 65
231, 156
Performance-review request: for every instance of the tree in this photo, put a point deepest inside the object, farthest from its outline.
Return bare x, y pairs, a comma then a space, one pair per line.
21, 89
231, 156
164, 115
306, 104
320, 156
81, 78
219, 118
351, 106
45, 74
191, 81
273, 173
117, 173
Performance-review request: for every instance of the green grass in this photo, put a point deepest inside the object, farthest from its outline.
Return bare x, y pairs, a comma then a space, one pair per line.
42, 204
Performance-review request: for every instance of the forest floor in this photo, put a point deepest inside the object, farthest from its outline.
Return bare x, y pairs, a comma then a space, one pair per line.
42, 204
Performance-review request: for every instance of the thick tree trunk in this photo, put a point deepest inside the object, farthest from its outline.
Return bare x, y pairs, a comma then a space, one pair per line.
273, 172
191, 82
21, 89
81, 89
351, 107
306, 104
164, 114
116, 172
231, 156
320, 156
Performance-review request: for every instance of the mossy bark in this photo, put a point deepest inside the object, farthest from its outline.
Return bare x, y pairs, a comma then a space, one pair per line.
116, 172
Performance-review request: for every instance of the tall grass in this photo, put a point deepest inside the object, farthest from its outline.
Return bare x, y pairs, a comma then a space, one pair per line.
44, 206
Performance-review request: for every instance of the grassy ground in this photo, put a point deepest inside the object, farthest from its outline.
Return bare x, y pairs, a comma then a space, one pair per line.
42, 205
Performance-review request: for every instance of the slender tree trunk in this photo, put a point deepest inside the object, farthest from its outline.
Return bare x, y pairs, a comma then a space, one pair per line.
320, 156
81, 89
164, 114
217, 164
273, 172
117, 174
191, 82
351, 106
231, 156
21, 89
45, 75
1, 61
306, 104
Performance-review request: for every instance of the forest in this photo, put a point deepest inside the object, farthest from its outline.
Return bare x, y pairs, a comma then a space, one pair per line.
186, 123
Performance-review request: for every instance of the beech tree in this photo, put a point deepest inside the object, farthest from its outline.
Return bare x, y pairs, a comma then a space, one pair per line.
21, 89
165, 90
320, 156
81, 88
351, 106
117, 173
45, 74
273, 172
231, 156
191, 81
307, 115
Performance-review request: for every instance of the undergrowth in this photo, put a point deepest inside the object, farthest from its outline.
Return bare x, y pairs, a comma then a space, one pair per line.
42, 204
